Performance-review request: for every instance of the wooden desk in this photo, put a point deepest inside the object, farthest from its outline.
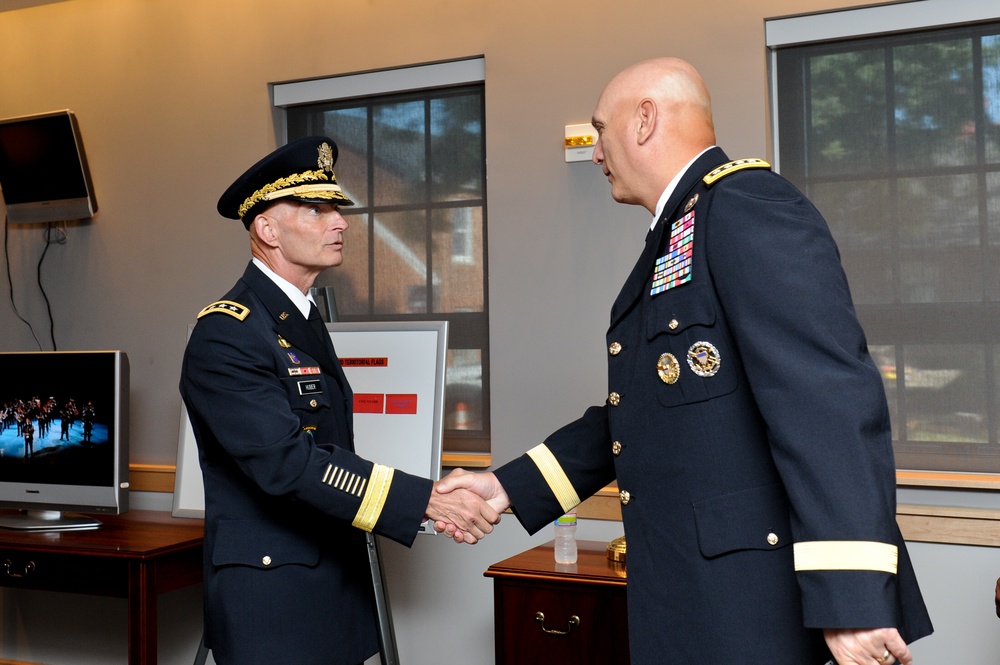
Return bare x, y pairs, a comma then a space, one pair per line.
592, 590
137, 555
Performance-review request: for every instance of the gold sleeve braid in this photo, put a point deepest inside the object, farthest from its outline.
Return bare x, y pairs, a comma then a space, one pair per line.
846, 555
555, 477
374, 498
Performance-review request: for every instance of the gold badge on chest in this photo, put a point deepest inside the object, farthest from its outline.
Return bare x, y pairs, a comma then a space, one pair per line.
668, 369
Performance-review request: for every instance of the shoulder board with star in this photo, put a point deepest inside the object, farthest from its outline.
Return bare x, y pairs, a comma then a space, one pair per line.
229, 307
733, 167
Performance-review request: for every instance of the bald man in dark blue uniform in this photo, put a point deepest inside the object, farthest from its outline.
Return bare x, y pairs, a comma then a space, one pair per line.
287, 501
746, 423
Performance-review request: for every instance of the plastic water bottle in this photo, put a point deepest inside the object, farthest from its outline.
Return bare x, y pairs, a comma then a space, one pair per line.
565, 548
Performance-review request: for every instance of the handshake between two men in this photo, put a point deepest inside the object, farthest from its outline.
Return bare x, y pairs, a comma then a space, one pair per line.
465, 505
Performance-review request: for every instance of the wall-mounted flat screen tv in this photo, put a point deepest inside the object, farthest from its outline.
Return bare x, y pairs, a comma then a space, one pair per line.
44, 175
63, 438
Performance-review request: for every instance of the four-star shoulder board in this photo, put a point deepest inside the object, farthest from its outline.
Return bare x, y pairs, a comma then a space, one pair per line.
733, 167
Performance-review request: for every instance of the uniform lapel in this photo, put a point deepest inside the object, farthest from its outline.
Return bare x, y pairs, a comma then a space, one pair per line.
291, 326
636, 282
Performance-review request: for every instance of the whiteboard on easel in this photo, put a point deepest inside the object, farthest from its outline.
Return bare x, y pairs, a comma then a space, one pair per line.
397, 372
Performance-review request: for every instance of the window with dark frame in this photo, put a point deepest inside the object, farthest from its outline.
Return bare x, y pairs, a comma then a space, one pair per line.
896, 139
414, 164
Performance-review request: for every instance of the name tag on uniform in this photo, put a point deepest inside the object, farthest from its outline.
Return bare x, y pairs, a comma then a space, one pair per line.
310, 387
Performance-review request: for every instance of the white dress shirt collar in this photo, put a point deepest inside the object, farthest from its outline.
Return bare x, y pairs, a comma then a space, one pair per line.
672, 186
299, 299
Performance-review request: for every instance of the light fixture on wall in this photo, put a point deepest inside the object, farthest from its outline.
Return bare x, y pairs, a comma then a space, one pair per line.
579, 142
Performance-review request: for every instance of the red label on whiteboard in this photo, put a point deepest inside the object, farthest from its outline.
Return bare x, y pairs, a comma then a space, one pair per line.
364, 362
405, 404
368, 402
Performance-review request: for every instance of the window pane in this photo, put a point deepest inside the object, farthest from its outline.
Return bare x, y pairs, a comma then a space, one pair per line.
464, 389
349, 128
350, 279
457, 147
939, 239
916, 217
995, 433
885, 359
945, 393
400, 153
847, 112
935, 119
400, 263
993, 235
991, 95
458, 260
857, 214
415, 247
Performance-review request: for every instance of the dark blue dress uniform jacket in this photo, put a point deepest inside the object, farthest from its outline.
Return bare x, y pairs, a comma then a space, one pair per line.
758, 492
286, 574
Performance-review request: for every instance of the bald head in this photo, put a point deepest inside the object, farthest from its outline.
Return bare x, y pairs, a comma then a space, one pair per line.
652, 119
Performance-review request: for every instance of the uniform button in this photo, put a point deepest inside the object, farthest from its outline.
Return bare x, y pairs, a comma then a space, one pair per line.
673, 324
616, 448
266, 560
313, 403
625, 497
615, 399
615, 348
772, 539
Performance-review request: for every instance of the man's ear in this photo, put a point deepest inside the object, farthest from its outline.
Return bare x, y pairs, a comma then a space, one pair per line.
263, 227
646, 112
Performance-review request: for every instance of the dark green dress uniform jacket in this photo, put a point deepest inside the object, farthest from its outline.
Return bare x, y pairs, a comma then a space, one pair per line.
748, 430
286, 500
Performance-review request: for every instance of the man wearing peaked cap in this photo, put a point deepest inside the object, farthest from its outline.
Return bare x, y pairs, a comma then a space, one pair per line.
301, 170
287, 501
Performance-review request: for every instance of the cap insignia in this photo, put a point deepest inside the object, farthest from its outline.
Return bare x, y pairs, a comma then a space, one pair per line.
325, 161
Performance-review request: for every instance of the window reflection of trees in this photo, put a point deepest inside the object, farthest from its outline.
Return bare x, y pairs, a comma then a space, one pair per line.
896, 139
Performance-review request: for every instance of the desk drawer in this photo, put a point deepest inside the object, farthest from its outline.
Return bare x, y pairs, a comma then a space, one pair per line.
535, 624
59, 572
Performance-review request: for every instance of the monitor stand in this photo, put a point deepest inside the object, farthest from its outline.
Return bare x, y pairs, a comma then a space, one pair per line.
46, 520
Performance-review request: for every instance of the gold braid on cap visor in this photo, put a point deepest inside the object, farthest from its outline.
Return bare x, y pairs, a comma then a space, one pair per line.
297, 184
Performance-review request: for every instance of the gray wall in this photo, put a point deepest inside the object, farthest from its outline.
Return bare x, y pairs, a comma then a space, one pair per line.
173, 102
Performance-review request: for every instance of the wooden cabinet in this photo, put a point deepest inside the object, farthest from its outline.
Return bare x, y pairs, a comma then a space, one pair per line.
554, 614
137, 555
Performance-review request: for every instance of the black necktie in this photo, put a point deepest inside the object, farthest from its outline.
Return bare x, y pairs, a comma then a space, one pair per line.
316, 321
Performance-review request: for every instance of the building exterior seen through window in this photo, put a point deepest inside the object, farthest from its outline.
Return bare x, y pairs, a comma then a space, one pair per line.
414, 164
896, 139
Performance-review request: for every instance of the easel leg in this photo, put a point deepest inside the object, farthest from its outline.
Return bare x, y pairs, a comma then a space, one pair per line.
386, 634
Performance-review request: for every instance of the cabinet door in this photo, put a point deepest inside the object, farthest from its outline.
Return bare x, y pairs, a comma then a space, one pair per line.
598, 635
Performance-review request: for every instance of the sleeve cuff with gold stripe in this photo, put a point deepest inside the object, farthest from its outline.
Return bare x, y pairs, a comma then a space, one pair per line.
846, 555
374, 498
554, 476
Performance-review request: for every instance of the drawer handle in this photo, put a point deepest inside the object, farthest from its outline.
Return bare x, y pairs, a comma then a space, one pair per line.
27, 569
573, 621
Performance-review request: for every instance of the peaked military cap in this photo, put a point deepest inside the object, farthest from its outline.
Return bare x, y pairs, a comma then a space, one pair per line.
301, 170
